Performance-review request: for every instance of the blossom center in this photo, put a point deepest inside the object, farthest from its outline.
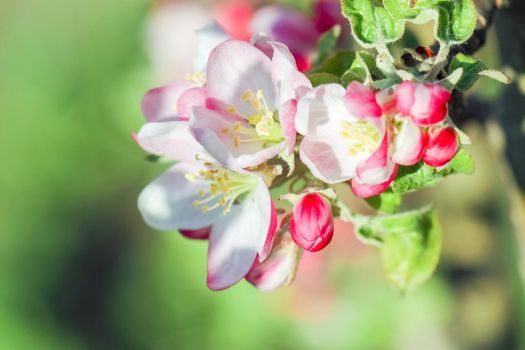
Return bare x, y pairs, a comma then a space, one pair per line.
199, 78
225, 188
363, 136
262, 125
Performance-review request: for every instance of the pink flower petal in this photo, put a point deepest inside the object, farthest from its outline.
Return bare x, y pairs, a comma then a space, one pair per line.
189, 99
200, 234
268, 244
361, 101
378, 168
425, 103
386, 99
279, 269
442, 146
160, 104
367, 191
287, 114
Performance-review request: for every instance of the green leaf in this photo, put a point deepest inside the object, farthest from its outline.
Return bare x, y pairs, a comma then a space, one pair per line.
326, 44
387, 202
337, 63
372, 24
407, 9
497, 75
322, 78
410, 179
363, 69
410, 244
473, 69
457, 20
411, 248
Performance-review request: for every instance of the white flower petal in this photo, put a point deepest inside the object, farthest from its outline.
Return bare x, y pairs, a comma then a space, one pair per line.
237, 237
167, 202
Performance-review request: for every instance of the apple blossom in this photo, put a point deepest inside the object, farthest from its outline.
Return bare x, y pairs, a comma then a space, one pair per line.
341, 129
252, 104
312, 224
236, 206
425, 103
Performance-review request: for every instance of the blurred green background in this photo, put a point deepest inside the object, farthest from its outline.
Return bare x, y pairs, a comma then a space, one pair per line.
80, 270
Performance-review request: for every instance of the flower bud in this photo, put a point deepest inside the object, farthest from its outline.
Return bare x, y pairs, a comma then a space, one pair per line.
280, 267
312, 224
425, 103
442, 146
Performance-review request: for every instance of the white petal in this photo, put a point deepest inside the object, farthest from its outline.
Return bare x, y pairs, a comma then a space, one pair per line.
236, 239
208, 38
236, 67
167, 202
209, 125
286, 78
173, 140
408, 144
320, 112
329, 162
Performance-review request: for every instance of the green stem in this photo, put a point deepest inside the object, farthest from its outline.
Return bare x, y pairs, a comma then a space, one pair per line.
440, 62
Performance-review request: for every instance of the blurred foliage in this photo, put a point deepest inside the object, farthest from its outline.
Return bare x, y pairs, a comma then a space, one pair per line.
80, 270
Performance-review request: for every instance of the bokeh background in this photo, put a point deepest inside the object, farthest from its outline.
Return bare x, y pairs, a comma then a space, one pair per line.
80, 270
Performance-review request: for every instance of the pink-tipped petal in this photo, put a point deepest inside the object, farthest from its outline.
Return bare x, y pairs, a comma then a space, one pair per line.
268, 244
199, 234
312, 224
361, 101
367, 191
237, 237
409, 144
189, 99
287, 113
235, 68
405, 97
425, 103
442, 146
378, 168
386, 99
160, 104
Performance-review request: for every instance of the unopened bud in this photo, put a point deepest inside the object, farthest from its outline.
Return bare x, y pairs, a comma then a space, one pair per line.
312, 224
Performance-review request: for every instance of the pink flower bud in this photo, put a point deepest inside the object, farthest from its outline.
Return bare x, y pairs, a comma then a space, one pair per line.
442, 146
312, 224
425, 103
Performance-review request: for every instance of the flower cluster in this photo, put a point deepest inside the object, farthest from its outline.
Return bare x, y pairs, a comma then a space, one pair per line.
251, 122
